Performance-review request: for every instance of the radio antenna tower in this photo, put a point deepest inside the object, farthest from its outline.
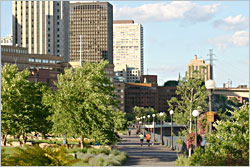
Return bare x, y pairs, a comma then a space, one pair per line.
211, 59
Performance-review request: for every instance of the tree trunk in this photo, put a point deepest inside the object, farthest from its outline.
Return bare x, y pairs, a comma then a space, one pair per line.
24, 137
82, 141
5, 139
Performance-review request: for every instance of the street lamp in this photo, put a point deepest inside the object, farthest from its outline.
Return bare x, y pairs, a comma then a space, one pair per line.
210, 85
144, 120
154, 126
195, 114
172, 141
148, 122
161, 114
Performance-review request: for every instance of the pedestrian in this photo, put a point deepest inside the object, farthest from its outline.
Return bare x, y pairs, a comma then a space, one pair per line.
129, 131
148, 139
141, 138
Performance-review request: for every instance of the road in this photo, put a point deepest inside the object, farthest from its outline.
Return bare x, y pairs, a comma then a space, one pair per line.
155, 155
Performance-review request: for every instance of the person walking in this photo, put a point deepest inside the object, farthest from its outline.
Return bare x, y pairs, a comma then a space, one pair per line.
129, 131
141, 138
148, 139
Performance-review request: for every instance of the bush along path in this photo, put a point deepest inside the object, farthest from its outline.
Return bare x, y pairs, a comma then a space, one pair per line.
154, 155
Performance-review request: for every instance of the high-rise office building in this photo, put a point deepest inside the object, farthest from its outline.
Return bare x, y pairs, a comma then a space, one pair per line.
204, 70
42, 27
128, 49
93, 21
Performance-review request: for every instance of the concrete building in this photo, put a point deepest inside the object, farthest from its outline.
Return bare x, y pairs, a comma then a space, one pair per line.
42, 27
128, 49
94, 22
44, 68
7, 40
205, 70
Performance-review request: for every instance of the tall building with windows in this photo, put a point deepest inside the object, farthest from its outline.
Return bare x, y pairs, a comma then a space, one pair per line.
93, 21
42, 27
204, 70
128, 49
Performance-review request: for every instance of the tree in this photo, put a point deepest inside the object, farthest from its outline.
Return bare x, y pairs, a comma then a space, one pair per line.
171, 83
190, 93
228, 145
142, 111
22, 109
83, 104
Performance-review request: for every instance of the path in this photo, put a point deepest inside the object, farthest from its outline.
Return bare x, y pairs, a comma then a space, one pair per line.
155, 155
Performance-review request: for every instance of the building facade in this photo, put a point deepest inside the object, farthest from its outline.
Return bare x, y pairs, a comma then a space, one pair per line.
7, 40
128, 49
148, 95
204, 70
93, 21
42, 27
44, 68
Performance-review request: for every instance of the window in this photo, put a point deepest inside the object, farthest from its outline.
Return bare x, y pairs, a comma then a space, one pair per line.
38, 60
45, 61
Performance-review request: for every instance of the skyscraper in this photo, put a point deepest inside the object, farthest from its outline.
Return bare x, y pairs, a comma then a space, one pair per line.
93, 21
128, 49
42, 27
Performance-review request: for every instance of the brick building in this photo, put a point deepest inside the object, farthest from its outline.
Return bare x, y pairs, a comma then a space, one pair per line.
148, 95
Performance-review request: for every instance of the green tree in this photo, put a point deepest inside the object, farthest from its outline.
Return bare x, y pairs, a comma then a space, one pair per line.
190, 93
22, 109
171, 83
83, 104
228, 145
142, 111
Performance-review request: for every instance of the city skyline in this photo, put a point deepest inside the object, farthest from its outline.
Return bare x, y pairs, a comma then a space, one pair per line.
173, 38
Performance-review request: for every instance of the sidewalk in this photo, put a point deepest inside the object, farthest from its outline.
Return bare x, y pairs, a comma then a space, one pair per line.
155, 155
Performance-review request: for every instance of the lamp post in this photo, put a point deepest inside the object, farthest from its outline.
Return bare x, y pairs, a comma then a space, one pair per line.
144, 120
195, 113
154, 126
138, 119
210, 85
141, 122
161, 114
172, 141
148, 122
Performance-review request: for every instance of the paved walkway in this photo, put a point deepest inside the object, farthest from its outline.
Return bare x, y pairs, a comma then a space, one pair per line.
155, 155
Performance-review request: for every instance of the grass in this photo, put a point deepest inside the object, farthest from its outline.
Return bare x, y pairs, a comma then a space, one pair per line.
9, 150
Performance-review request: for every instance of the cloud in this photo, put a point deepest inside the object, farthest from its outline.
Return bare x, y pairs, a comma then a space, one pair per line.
230, 23
160, 12
238, 39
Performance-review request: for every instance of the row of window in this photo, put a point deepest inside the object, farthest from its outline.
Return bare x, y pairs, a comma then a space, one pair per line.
44, 61
12, 50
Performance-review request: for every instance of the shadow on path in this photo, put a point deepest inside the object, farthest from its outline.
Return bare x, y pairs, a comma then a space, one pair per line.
154, 155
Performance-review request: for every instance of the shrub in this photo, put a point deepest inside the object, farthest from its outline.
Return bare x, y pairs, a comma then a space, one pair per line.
82, 150
93, 151
37, 156
115, 152
105, 151
182, 161
85, 157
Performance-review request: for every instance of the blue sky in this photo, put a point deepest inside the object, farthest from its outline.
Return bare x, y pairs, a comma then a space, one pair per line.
175, 31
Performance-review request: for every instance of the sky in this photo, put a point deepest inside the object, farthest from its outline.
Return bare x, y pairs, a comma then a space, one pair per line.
175, 31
